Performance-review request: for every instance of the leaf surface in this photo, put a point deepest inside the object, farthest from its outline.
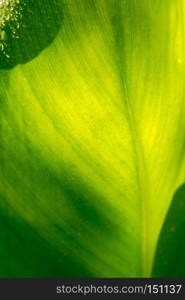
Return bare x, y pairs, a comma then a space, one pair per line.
93, 134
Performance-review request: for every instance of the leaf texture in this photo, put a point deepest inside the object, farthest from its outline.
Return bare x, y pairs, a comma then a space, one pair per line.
92, 139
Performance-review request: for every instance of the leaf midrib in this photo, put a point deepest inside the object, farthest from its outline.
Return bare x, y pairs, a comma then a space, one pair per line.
140, 166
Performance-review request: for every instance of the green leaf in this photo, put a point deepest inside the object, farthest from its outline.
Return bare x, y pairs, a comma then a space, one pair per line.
24, 252
26, 28
92, 138
170, 255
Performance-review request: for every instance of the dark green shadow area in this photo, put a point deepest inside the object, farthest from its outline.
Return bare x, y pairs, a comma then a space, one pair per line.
27, 28
25, 253
170, 254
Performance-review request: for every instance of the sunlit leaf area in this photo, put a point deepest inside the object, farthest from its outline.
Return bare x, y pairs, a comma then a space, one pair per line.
92, 138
